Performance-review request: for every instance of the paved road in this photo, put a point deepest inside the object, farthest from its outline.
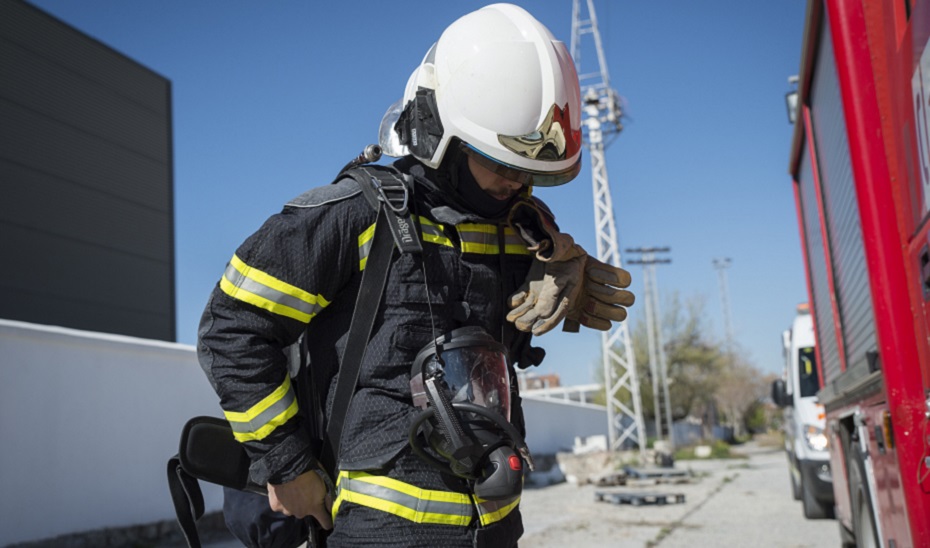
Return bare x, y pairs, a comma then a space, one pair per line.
730, 503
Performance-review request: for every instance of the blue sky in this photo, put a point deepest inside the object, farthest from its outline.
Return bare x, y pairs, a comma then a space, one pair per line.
272, 98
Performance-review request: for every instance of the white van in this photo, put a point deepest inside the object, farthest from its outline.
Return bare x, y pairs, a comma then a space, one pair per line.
806, 443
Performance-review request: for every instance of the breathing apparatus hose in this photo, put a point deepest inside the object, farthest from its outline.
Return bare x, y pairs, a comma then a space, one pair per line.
371, 153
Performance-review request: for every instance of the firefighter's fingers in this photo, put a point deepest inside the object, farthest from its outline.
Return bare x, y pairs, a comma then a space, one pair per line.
593, 323
545, 324
606, 311
605, 274
323, 513
526, 321
610, 295
517, 299
526, 306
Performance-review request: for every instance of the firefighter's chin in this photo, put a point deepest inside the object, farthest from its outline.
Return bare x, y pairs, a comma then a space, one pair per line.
504, 195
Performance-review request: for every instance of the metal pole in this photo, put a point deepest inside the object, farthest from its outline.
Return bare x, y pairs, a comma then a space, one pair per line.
657, 360
722, 265
663, 361
648, 272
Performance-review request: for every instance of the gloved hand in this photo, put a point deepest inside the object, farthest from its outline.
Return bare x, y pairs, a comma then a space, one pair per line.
601, 300
537, 228
551, 289
564, 281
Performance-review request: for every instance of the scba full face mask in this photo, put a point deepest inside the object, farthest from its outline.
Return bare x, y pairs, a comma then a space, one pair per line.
461, 382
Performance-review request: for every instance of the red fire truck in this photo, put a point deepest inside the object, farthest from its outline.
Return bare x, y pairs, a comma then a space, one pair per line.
860, 164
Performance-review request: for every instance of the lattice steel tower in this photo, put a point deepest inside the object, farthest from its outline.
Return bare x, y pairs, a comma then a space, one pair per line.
601, 121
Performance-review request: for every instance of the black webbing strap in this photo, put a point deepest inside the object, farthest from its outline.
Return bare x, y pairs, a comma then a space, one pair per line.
187, 499
387, 193
363, 320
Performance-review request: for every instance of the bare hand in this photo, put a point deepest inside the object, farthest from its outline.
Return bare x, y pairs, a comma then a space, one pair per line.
303, 496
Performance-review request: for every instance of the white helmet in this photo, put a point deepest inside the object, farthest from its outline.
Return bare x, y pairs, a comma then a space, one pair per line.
501, 86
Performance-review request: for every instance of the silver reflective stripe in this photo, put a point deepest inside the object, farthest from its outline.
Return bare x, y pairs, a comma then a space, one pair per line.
477, 237
364, 250
265, 416
405, 500
513, 239
237, 279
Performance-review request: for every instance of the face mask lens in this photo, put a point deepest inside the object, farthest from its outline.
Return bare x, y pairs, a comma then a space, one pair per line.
478, 375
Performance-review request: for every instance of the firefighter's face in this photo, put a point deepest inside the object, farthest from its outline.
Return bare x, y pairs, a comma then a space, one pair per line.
495, 185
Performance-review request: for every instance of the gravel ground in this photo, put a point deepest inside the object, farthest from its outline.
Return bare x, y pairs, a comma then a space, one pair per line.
734, 502
727, 503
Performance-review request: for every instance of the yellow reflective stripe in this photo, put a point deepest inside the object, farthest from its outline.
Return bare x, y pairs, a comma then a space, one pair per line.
483, 239
478, 238
482, 248
513, 243
488, 517
439, 240
266, 402
402, 499
364, 246
250, 285
243, 430
429, 231
274, 283
256, 300
433, 233
477, 227
412, 490
269, 427
402, 511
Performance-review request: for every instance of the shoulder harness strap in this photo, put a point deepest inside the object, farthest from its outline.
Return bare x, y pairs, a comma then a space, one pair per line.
386, 187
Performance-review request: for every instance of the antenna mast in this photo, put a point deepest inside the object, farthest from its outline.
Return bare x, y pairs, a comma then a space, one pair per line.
601, 119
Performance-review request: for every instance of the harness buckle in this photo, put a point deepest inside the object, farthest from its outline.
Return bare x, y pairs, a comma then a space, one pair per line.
398, 202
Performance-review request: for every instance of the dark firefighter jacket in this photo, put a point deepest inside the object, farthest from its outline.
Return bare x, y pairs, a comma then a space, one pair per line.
300, 272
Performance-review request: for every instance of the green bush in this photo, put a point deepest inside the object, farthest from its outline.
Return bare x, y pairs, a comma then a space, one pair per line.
719, 449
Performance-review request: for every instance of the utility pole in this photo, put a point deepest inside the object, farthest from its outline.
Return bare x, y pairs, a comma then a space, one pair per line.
601, 119
658, 364
722, 265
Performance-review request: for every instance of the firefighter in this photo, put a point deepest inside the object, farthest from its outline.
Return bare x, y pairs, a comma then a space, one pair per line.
492, 111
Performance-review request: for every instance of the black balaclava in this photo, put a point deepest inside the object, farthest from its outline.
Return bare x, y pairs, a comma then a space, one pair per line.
477, 200
454, 185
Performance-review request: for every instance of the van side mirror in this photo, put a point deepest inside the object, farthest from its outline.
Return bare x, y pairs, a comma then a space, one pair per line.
779, 395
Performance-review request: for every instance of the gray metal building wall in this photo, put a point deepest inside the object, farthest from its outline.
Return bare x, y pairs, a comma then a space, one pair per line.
86, 182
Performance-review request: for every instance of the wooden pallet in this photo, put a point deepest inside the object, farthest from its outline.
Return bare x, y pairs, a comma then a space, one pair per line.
639, 499
656, 473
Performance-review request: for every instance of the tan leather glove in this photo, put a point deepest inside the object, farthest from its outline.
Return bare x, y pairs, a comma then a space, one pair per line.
564, 281
549, 292
536, 227
601, 299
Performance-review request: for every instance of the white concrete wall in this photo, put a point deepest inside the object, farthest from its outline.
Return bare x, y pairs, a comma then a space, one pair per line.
89, 420
553, 423
87, 424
